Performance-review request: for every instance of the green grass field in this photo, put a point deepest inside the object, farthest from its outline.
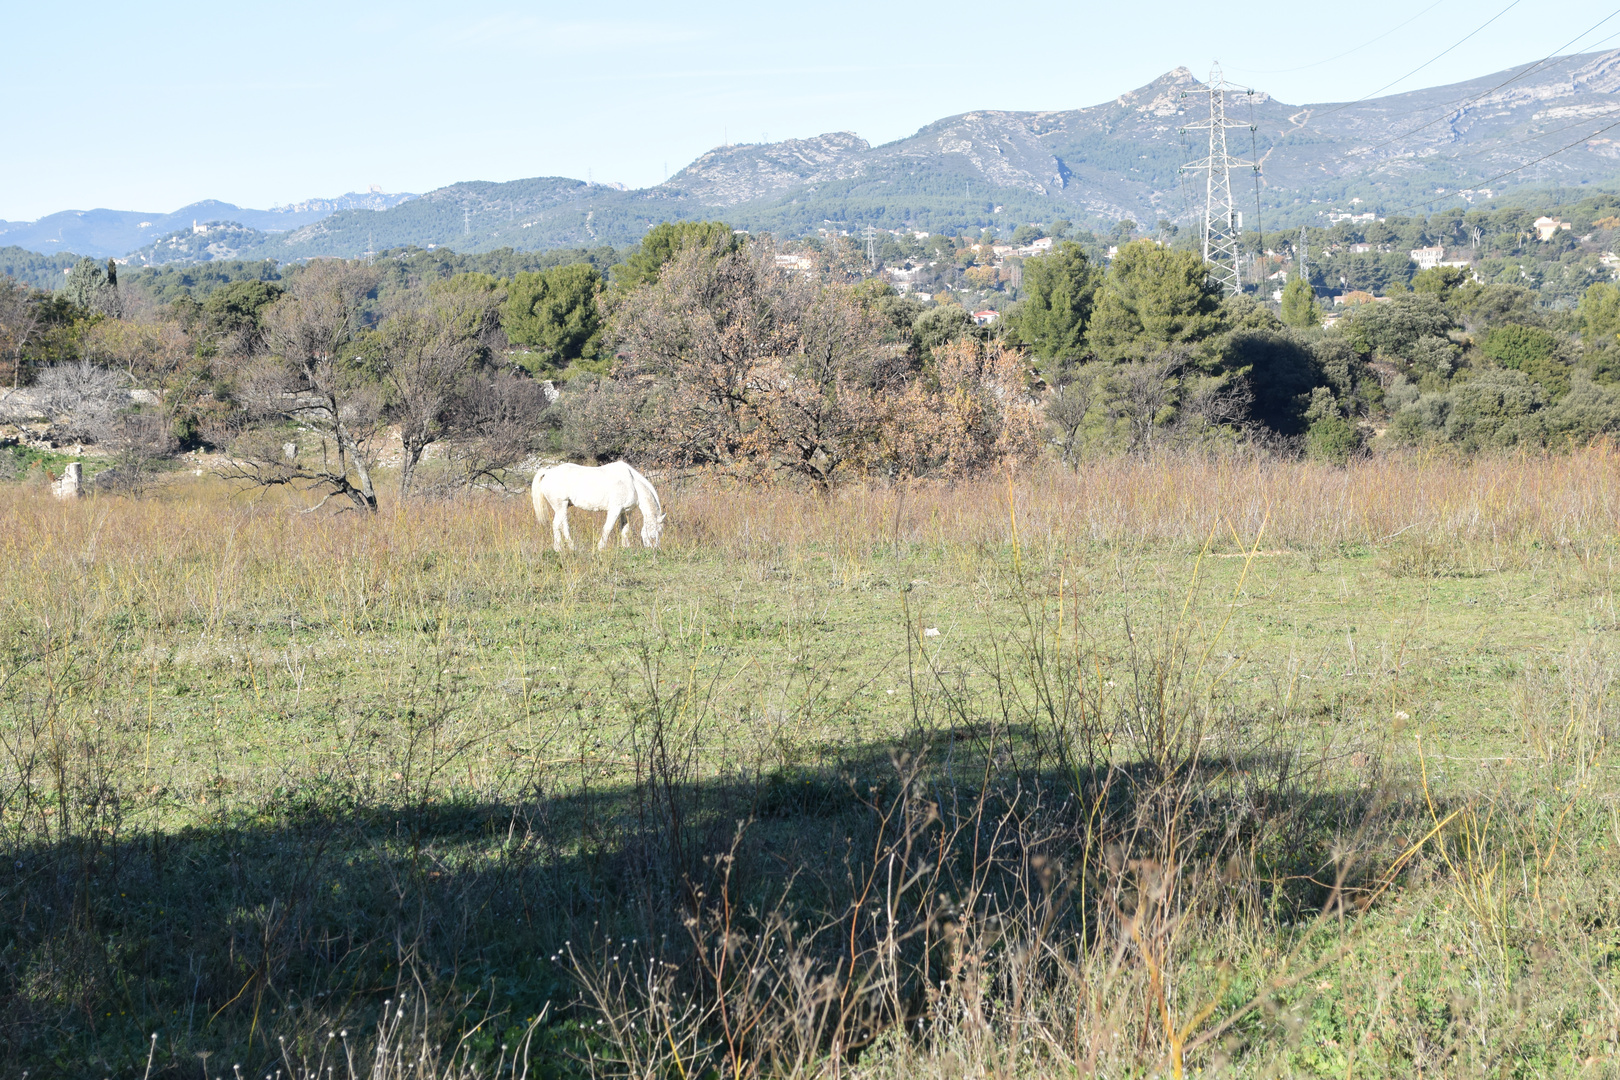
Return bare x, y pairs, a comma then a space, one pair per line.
1277, 770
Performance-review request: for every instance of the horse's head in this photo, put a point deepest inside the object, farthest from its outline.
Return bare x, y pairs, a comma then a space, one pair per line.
652, 527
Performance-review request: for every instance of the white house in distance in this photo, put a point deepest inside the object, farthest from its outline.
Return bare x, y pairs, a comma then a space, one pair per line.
801, 263
1548, 227
904, 280
1430, 257
986, 317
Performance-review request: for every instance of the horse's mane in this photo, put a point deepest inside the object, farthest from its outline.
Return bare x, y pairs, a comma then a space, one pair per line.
644, 488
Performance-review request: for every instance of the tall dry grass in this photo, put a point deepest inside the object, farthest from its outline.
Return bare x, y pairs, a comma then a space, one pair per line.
211, 538
1508, 501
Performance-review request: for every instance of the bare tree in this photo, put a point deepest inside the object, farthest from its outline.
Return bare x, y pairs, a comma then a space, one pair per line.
1213, 404
21, 319
86, 402
1067, 406
497, 423
753, 367
429, 354
818, 408
82, 400
314, 379
1144, 393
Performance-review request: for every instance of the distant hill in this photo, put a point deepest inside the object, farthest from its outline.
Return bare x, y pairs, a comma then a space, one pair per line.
205, 241
103, 233
35, 269
1413, 152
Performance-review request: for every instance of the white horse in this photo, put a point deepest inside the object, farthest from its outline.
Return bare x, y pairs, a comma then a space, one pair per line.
614, 489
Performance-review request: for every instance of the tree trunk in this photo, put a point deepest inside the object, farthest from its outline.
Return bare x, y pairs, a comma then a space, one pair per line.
366, 490
413, 458
365, 496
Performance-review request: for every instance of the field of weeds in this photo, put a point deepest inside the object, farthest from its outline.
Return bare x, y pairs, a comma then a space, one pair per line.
1235, 767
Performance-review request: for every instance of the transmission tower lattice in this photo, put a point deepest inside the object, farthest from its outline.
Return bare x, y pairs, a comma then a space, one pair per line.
871, 247
1222, 223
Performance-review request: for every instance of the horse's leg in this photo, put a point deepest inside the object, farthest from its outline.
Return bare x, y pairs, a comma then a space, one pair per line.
624, 530
613, 515
559, 527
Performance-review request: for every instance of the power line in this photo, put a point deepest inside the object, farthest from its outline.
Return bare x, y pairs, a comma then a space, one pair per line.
1390, 118
1347, 52
1512, 4
1521, 168
1555, 153
1582, 122
1185, 177
1254, 152
1478, 97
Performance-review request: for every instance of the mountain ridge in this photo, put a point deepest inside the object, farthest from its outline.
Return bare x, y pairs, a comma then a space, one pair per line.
103, 233
1121, 158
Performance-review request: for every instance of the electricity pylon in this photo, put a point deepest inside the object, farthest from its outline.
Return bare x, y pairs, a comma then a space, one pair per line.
871, 247
1221, 221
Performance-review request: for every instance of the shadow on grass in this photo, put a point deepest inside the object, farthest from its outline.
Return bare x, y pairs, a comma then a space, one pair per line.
304, 917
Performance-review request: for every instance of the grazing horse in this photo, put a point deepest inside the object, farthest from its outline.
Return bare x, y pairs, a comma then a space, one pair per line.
614, 489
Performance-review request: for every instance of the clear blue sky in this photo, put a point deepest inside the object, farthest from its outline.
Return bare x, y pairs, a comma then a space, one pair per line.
151, 106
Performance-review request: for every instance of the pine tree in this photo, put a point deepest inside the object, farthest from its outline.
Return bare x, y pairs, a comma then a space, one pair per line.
1058, 292
1153, 298
1299, 307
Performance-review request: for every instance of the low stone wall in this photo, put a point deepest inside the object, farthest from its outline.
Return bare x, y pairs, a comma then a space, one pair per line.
28, 403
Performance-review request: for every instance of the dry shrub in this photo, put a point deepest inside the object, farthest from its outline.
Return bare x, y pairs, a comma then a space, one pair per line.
978, 416
82, 400
607, 419
732, 363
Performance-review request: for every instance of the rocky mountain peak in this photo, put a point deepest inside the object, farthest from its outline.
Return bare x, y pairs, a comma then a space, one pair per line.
743, 172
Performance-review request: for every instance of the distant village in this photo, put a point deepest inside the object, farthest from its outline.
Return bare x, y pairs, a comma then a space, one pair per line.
994, 270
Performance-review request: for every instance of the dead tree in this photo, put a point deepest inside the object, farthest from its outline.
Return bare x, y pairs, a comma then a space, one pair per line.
314, 378
432, 353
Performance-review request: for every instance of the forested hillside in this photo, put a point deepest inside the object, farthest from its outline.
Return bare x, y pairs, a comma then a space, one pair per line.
36, 270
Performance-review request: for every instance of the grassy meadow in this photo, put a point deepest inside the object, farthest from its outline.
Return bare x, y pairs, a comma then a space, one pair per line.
1179, 766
